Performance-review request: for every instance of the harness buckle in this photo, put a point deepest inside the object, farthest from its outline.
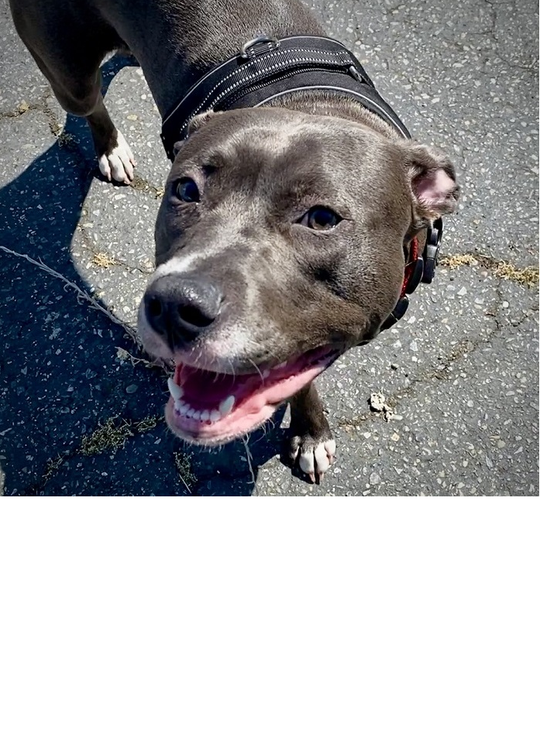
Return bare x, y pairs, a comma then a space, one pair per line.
431, 250
251, 49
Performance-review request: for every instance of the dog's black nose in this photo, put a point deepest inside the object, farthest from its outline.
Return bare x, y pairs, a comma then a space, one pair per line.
180, 308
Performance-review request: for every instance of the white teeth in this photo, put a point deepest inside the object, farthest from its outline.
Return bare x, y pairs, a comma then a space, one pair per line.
226, 406
185, 410
265, 373
175, 390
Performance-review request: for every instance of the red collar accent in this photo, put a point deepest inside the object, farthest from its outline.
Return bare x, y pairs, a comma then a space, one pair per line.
411, 265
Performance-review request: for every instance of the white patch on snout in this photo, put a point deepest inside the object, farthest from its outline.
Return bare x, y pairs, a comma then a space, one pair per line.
228, 234
176, 265
230, 344
118, 164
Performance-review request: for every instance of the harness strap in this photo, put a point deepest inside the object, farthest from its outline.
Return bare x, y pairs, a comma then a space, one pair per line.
267, 68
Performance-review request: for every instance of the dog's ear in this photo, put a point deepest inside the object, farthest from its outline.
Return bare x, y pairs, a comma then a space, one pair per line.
194, 125
432, 179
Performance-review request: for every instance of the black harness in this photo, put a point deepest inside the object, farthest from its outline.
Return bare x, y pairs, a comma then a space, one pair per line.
267, 68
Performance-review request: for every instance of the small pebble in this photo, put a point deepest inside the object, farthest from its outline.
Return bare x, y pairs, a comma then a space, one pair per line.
377, 402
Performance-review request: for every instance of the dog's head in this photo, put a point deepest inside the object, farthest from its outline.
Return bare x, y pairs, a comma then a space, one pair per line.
279, 246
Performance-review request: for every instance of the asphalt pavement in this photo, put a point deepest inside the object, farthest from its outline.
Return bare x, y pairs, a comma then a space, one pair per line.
81, 411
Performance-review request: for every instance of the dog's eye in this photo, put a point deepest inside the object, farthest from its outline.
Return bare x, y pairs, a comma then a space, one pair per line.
320, 218
187, 190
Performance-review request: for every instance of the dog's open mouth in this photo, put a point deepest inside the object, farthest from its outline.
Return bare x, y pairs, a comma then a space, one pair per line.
211, 407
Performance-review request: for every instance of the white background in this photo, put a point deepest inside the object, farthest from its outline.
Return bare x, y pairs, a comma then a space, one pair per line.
269, 626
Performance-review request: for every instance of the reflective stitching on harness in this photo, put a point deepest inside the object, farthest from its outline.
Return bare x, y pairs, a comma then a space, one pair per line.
253, 63
247, 79
214, 70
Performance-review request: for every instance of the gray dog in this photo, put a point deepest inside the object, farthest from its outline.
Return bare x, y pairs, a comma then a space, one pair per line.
293, 213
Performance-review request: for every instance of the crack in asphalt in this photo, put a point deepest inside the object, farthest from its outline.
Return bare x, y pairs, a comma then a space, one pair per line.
442, 373
494, 19
41, 105
18, 112
498, 268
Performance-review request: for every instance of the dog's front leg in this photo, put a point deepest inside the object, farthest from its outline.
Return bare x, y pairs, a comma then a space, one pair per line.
310, 442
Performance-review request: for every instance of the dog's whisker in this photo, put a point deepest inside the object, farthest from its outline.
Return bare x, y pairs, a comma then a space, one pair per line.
257, 369
249, 458
231, 365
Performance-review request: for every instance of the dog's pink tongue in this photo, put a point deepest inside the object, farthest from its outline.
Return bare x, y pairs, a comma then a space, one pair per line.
202, 387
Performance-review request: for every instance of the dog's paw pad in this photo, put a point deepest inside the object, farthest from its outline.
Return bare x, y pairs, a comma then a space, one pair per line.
314, 459
118, 164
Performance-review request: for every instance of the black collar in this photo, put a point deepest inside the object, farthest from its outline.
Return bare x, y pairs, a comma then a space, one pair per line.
267, 68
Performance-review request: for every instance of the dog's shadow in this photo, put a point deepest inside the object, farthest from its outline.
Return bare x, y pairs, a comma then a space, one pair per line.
76, 416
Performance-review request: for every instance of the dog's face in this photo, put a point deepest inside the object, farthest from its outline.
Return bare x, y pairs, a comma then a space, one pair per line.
279, 246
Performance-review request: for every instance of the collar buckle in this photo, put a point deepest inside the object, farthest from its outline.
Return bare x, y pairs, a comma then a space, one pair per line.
258, 46
432, 249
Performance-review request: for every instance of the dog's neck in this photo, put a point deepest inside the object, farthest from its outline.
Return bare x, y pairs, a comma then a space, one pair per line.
336, 105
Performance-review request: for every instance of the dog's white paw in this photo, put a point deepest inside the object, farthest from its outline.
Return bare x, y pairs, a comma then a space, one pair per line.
118, 164
314, 459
